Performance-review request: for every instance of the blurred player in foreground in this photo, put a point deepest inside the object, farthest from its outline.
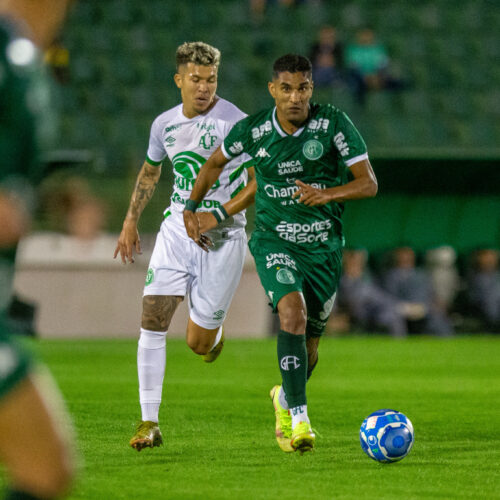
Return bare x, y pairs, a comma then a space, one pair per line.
34, 432
187, 134
303, 154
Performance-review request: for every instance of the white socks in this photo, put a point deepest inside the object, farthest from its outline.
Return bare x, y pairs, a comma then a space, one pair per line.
151, 359
299, 414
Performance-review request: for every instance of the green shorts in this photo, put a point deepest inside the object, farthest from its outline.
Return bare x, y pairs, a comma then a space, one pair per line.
14, 363
282, 270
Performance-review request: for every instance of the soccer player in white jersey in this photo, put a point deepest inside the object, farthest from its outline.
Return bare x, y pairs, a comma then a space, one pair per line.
187, 134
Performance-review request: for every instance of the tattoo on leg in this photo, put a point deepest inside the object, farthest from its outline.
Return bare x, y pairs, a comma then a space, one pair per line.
158, 310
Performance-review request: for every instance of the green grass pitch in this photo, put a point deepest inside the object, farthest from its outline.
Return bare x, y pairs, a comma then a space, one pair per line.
218, 423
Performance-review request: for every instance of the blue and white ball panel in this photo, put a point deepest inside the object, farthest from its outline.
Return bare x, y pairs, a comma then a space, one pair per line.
386, 435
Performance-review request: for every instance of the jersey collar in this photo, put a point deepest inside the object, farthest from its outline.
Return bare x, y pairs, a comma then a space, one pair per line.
280, 131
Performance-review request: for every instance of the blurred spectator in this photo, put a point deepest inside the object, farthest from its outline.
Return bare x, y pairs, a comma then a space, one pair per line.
57, 59
71, 208
327, 58
484, 285
368, 63
413, 287
367, 304
441, 264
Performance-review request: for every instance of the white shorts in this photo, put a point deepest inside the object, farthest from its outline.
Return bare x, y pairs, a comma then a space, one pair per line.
178, 266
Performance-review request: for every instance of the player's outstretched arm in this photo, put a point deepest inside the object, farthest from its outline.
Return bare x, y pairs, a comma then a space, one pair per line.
205, 179
210, 220
364, 185
144, 188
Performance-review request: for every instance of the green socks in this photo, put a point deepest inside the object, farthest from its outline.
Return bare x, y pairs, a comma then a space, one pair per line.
292, 359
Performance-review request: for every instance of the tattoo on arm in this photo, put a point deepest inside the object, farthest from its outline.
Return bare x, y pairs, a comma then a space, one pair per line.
143, 191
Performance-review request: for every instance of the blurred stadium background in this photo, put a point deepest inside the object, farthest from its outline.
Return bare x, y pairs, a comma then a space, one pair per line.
433, 146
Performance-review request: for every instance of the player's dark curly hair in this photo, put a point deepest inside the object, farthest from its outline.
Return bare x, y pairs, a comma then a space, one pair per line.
293, 63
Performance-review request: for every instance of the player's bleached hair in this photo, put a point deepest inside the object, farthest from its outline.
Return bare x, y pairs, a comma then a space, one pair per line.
199, 53
293, 63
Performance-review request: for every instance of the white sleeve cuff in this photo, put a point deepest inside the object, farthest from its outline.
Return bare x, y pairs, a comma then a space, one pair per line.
225, 153
354, 160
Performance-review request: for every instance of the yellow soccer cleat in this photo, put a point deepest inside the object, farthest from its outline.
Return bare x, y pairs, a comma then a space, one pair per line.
211, 356
147, 435
303, 437
283, 422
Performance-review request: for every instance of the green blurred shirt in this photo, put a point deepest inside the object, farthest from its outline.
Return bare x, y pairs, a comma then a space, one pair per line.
24, 124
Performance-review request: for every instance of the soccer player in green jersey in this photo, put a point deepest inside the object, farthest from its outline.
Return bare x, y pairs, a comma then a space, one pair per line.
309, 159
34, 445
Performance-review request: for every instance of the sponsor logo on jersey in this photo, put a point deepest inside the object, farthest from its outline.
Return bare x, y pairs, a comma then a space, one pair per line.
315, 125
260, 131
150, 276
290, 167
208, 204
171, 128
287, 192
279, 259
285, 276
236, 148
207, 141
313, 149
206, 126
296, 232
288, 363
342, 146
169, 141
262, 153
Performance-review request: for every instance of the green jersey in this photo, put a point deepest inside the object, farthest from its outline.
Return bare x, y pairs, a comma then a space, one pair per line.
319, 153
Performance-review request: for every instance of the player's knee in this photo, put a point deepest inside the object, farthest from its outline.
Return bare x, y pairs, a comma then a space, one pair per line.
198, 345
293, 320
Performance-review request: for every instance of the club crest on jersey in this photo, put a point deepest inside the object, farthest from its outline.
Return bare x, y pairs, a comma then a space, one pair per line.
285, 276
313, 149
150, 277
207, 141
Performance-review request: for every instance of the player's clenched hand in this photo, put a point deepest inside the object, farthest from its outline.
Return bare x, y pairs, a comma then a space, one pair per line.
310, 195
128, 240
193, 230
206, 221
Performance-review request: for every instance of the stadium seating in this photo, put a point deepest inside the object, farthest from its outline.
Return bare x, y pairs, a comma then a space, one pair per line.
121, 43
122, 66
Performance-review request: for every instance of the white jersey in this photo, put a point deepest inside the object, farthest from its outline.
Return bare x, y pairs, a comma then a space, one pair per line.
189, 142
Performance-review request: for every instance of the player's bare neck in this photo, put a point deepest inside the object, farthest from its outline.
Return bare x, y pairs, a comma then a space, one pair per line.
288, 126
